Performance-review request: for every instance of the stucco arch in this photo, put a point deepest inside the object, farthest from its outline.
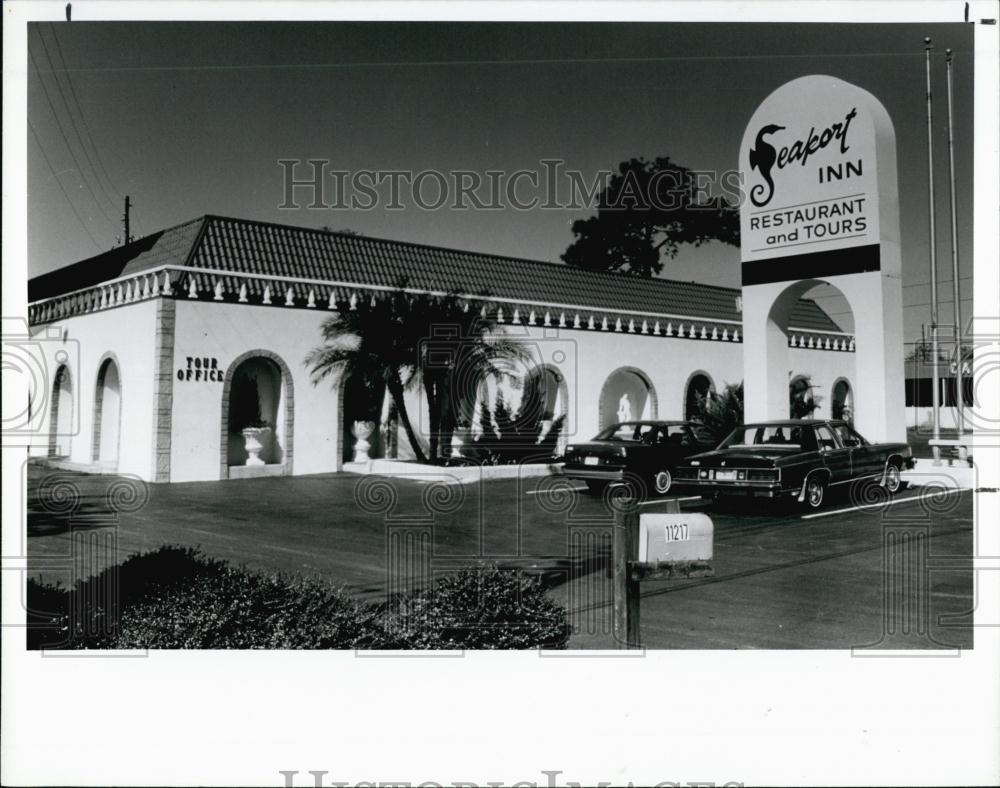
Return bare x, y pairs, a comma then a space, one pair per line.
694, 378
288, 396
607, 414
109, 398
61, 412
842, 400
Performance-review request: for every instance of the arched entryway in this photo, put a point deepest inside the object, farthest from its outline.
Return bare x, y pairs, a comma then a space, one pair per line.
61, 416
257, 416
367, 401
107, 414
699, 385
842, 400
627, 395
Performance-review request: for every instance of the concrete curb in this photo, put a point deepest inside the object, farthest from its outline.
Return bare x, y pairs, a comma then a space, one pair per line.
463, 474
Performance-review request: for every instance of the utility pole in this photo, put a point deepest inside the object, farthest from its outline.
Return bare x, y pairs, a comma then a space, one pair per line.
125, 218
959, 384
935, 392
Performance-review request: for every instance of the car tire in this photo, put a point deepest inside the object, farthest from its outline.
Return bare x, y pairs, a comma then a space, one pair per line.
815, 492
893, 481
661, 482
596, 486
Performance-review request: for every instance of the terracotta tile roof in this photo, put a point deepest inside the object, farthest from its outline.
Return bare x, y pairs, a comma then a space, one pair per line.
245, 246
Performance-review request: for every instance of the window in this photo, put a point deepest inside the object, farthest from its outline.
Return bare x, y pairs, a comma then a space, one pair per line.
825, 439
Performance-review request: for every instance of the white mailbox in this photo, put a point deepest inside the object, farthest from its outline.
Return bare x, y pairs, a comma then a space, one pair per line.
682, 536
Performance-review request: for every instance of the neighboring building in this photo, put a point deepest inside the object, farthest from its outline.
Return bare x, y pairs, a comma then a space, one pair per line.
157, 345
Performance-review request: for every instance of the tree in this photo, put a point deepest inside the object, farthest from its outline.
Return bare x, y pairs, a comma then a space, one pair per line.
645, 213
402, 339
376, 343
459, 345
721, 413
801, 401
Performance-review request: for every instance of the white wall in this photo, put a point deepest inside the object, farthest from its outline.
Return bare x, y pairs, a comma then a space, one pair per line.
83, 341
225, 331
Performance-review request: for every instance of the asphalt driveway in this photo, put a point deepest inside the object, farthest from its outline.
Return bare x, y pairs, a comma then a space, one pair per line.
781, 580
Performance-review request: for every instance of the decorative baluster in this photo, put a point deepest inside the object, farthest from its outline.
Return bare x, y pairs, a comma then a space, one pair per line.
548, 319
604, 323
499, 314
590, 322
645, 327
289, 296
243, 293
331, 302
531, 318
736, 335
562, 320
267, 294
656, 328
192, 287
516, 320
715, 332
618, 324
354, 302
311, 303
631, 326
167, 289
725, 335
219, 290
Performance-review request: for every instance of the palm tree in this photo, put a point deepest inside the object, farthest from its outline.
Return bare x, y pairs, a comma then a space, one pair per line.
442, 341
460, 346
374, 342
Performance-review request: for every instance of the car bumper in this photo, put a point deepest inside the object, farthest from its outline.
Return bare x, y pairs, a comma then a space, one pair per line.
594, 473
736, 488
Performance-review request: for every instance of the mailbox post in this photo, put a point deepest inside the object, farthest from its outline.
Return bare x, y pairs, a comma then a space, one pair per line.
654, 545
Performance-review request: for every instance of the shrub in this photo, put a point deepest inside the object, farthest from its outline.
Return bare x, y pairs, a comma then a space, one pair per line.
509, 438
723, 412
240, 609
176, 598
481, 608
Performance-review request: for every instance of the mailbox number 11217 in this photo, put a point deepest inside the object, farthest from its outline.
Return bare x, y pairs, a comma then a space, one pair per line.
677, 532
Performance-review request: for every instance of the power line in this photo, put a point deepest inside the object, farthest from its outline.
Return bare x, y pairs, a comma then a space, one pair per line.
62, 132
79, 109
69, 112
61, 187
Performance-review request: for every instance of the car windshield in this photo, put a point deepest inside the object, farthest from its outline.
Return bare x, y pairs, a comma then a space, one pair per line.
789, 435
626, 431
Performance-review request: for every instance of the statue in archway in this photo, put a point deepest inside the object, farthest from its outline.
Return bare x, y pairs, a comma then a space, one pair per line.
624, 408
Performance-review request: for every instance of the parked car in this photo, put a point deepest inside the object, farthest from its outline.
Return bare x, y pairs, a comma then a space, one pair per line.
794, 458
641, 453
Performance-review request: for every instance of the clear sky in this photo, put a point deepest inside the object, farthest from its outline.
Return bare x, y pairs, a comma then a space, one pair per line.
191, 119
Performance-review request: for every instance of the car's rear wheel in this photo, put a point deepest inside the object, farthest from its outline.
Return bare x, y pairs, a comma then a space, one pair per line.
662, 481
893, 479
596, 486
815, 491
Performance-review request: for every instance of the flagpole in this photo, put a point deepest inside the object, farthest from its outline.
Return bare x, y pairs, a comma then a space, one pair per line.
935, 389
959, 393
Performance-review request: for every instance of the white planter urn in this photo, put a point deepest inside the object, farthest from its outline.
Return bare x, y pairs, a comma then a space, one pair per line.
362, 430
457, 442
254, 439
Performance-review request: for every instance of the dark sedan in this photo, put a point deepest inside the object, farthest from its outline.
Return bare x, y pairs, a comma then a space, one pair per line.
795, 458
642, 454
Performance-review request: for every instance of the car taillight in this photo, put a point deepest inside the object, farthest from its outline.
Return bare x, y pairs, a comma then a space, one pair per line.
702, 474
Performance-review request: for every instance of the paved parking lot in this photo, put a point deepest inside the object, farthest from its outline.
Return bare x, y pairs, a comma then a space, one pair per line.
782, 580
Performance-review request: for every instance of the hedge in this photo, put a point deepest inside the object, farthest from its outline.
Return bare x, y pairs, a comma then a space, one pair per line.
175, 597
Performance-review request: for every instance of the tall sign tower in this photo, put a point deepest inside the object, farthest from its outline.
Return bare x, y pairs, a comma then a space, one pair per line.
818, 162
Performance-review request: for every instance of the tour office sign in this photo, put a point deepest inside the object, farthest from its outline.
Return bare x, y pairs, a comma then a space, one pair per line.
818, 163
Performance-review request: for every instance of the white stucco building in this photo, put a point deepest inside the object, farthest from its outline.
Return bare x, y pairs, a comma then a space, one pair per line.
149, 346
